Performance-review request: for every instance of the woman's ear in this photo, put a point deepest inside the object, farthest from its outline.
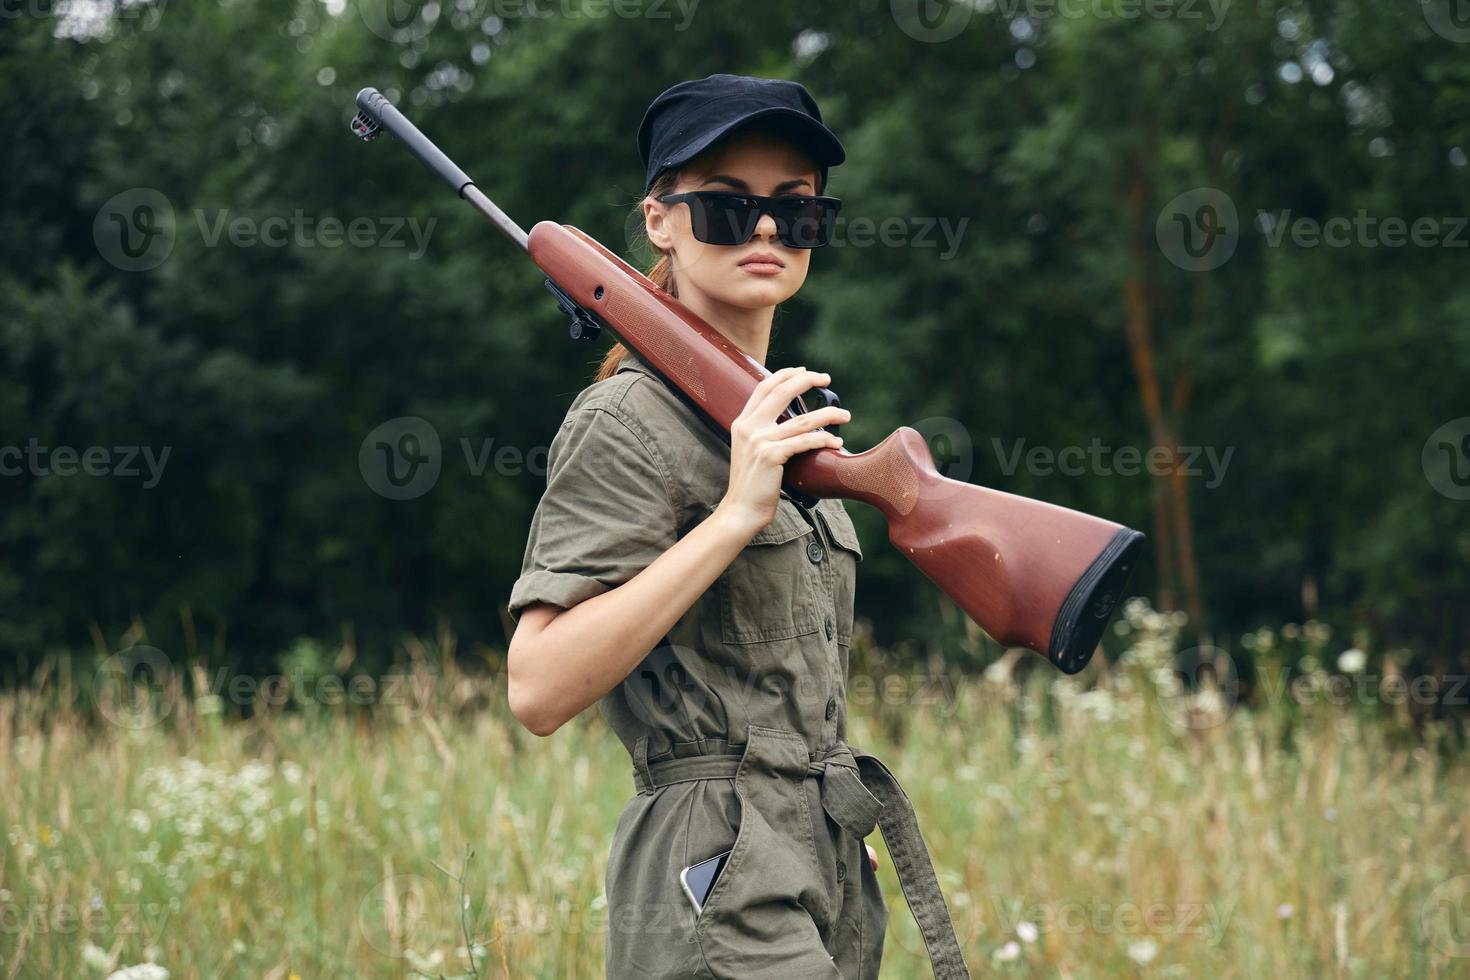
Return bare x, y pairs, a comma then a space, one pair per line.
656, 225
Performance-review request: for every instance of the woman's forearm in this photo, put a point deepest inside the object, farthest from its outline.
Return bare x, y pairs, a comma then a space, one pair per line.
587, 650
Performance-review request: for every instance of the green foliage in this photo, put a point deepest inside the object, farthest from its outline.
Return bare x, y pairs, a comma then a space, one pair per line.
262, 369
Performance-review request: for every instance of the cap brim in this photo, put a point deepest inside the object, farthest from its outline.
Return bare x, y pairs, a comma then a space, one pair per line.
815, 138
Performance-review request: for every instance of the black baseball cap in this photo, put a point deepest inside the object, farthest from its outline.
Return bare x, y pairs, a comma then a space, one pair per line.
689, 117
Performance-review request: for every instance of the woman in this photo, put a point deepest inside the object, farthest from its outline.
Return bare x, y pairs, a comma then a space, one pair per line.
669, 578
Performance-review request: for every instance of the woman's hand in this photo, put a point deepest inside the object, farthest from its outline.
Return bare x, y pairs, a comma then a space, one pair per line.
872, 855
759, 447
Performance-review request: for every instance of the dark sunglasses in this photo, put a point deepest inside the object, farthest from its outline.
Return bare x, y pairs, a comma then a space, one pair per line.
724, 218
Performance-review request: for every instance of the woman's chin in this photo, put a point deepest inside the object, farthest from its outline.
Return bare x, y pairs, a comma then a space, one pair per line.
757, 295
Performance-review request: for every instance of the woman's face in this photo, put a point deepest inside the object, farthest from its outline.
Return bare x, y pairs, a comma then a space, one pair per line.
753, 162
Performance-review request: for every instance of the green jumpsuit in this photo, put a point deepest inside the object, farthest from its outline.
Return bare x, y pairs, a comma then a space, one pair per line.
736, 721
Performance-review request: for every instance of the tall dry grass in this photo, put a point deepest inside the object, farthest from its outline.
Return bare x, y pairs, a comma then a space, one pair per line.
1109, 825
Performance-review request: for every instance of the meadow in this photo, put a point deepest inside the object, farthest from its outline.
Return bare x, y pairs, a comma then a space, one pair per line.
1115, 824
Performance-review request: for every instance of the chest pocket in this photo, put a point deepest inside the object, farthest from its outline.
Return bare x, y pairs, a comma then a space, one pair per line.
844, 557
839, 525
766, 592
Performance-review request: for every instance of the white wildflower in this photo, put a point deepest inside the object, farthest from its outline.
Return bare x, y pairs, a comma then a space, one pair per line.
1008, 952
1351, 660
1143, 951
96, 957
1285, 910
143, 971
1027, 931
424, 964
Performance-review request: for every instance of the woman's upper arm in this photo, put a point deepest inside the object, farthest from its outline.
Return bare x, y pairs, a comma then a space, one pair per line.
607, 514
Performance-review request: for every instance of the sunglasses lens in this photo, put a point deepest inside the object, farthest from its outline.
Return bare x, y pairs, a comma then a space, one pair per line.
721, 219
803, 223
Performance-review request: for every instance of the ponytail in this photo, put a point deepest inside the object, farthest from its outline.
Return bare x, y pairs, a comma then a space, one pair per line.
662, 274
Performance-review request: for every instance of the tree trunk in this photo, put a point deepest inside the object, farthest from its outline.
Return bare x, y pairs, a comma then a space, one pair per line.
1173, 526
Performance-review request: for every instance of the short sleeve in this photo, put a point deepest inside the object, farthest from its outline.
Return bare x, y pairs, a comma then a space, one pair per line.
605, 516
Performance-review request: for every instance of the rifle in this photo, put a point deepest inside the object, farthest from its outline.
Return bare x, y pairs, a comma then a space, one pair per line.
1029, 573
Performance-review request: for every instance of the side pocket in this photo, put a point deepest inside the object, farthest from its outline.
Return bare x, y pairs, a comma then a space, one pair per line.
737, 857
761, 919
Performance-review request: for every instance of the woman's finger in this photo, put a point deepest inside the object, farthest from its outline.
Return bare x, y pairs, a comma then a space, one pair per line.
831, 415
872, 856
784, 393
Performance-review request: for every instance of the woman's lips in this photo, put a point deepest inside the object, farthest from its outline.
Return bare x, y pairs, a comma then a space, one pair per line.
762, 263
761, 268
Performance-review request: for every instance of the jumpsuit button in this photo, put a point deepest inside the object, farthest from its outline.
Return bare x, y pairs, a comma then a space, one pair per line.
829, 627
831, 708
814, 551
841, 870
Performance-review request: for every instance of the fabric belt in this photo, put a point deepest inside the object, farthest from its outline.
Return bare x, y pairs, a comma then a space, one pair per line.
858, 791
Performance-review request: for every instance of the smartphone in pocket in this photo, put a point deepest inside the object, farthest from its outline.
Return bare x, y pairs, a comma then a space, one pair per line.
699, 879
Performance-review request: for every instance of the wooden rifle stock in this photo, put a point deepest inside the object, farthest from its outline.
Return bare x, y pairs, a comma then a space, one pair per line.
1029, 573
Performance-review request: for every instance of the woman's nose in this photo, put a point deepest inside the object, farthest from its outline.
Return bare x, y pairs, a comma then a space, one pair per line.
766, 226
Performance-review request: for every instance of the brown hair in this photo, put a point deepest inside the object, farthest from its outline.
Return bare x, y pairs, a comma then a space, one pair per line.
661, 272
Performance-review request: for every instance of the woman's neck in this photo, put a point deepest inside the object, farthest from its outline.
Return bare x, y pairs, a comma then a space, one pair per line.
748, 329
